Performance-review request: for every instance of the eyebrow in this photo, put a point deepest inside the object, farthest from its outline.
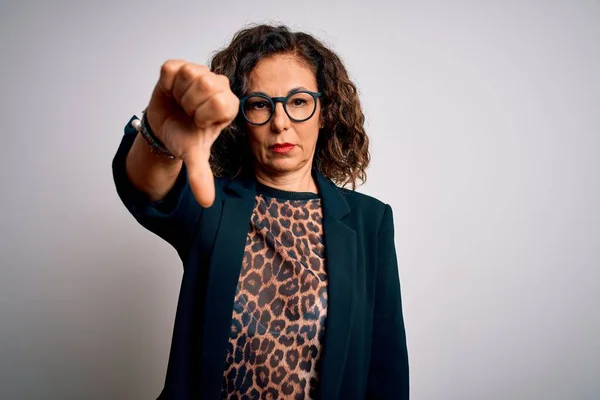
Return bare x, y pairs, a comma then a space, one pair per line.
296, 89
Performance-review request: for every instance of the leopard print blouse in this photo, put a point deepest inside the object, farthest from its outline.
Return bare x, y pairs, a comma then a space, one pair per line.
280, 305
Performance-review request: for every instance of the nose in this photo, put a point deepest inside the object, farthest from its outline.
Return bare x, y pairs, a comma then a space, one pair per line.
280, 121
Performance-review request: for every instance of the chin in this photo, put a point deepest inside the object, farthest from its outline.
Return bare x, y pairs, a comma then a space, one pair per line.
283, 165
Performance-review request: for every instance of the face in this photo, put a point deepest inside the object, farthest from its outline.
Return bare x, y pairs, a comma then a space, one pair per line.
277, 76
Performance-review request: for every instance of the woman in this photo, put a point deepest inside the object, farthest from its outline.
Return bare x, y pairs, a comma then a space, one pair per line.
290, 285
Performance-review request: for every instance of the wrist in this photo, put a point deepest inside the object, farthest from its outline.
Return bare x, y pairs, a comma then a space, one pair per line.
156, 145
144, 149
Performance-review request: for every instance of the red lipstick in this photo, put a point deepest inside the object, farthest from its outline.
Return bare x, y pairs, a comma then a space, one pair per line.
282, 148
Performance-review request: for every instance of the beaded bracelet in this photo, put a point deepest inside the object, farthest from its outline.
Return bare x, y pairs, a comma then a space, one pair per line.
156, 146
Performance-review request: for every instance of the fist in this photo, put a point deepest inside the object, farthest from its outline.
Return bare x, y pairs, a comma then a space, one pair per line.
190, 106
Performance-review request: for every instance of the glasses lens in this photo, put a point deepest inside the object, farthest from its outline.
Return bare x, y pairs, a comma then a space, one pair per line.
257, 109
300, 106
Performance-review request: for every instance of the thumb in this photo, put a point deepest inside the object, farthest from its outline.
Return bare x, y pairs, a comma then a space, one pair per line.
200, 176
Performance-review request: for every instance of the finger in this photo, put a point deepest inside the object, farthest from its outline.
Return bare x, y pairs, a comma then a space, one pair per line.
168, 72
189, 74
194, 97
200, 177
201, 90
221, 108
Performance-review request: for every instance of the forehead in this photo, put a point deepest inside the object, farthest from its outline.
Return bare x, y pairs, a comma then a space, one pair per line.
278, 74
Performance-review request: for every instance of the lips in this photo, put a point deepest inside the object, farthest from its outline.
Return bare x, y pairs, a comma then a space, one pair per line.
282, 147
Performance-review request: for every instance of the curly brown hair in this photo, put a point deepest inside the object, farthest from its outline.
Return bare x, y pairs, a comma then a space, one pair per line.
342, 152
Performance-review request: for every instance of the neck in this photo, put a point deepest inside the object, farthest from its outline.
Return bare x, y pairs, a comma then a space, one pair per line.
294, 181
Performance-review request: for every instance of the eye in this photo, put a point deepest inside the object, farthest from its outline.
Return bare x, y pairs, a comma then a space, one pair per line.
298, 102
258, 105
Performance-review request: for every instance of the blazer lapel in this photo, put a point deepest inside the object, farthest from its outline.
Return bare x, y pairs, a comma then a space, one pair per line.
340, 253
223, 276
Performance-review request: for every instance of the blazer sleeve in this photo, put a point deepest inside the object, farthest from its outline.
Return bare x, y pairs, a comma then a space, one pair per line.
174, 218
388, 368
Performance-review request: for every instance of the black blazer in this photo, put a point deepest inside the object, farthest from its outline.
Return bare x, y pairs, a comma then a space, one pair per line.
364, 351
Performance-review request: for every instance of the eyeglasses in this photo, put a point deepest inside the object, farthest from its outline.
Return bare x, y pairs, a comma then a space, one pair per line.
258, 108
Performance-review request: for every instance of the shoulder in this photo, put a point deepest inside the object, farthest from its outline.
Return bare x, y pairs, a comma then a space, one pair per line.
366, 207
361, 200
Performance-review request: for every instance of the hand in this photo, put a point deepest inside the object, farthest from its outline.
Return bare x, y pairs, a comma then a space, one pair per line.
189, 108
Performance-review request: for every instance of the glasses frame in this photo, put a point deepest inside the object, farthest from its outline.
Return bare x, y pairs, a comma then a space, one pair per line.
283, 101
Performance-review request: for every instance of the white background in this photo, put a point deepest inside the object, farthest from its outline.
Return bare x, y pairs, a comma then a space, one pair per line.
485, 127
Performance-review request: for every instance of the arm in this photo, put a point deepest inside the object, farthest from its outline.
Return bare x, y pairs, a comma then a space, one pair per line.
155, 191
150, 173
388, 369
188, 109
